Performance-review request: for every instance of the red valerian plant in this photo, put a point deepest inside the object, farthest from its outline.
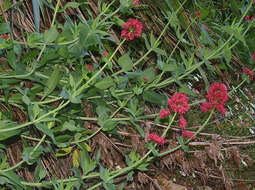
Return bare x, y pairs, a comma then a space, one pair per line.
183, 123
164, 113
136, 2
249, 72
247, 18
131, 29
145, 79
187, 134
105, 54
154, 137
89, 68
198, 13
253, 56
217, 97
5, 36
179, 103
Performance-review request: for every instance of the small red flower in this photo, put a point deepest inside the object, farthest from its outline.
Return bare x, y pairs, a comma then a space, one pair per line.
206, 106
247, 18
145, 79
179, 103
5, 36
131, 29
164, 113
198, 13
183, 123
217, 97
253, 56
187, 134
105, 54
135, 2
217, 93
154, 137
249, 72
89, 68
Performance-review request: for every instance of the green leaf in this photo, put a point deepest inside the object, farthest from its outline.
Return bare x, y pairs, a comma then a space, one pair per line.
74, 5
4, 28
125, 62
36, 110
87, 37
71, 126
105, 83
109, 186
30, 157
147, 45
139, 129
148, 73
51, 34
154, 97
169, 67
76, 158
64, 151
52, 81
45, 129
12, 179
159, 51
12, 59
143, 167
227, 54
152, 39
151, 147
5, 124
181, 142
109, 125
87, 164
26, 99
40, 173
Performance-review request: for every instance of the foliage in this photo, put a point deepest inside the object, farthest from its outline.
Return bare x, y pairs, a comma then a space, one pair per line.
57, 73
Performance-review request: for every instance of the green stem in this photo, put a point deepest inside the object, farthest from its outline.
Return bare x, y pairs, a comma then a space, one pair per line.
36, 120
127, 169
169, 125
196, 66
115, 173
34, 139
86, 85
175, 47
99, 129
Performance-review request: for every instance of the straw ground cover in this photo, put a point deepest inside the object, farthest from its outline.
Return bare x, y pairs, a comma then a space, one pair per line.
127, 94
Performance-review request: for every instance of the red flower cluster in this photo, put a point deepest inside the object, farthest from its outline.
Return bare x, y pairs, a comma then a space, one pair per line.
253, 56
5, 36
89, 68
131, 29
154, 137
187, 134
247, 18
179, 103
105, 54
164, 113
135, 2
145, 79
198, 13
183, 123
249, 72
217, 97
